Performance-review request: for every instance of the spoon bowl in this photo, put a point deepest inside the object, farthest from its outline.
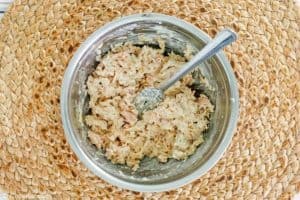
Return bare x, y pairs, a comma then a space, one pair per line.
149, 98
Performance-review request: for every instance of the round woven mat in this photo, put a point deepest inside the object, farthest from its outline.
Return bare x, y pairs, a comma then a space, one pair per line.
38, 38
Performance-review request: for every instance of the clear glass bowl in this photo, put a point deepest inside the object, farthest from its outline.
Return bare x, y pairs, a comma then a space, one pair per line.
152, 175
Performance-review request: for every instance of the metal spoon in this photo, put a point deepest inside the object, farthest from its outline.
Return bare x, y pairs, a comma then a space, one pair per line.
149, 98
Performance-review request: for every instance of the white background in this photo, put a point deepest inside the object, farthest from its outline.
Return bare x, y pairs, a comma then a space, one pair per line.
3, 6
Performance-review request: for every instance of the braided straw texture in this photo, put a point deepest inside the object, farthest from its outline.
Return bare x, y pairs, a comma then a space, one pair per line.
38, 38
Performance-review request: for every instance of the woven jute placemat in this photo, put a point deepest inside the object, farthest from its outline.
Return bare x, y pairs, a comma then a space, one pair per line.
38, 38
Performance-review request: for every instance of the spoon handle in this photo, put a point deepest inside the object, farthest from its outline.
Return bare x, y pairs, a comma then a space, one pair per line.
222, 39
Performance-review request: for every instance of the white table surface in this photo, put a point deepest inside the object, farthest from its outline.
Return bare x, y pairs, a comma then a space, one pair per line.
3, 6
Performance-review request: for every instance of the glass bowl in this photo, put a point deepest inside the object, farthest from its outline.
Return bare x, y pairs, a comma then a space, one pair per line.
152, 176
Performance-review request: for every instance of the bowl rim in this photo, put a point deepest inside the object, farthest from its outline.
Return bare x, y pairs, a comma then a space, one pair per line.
69, 134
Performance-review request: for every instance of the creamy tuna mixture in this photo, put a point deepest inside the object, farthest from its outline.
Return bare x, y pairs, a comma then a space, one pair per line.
172, 130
